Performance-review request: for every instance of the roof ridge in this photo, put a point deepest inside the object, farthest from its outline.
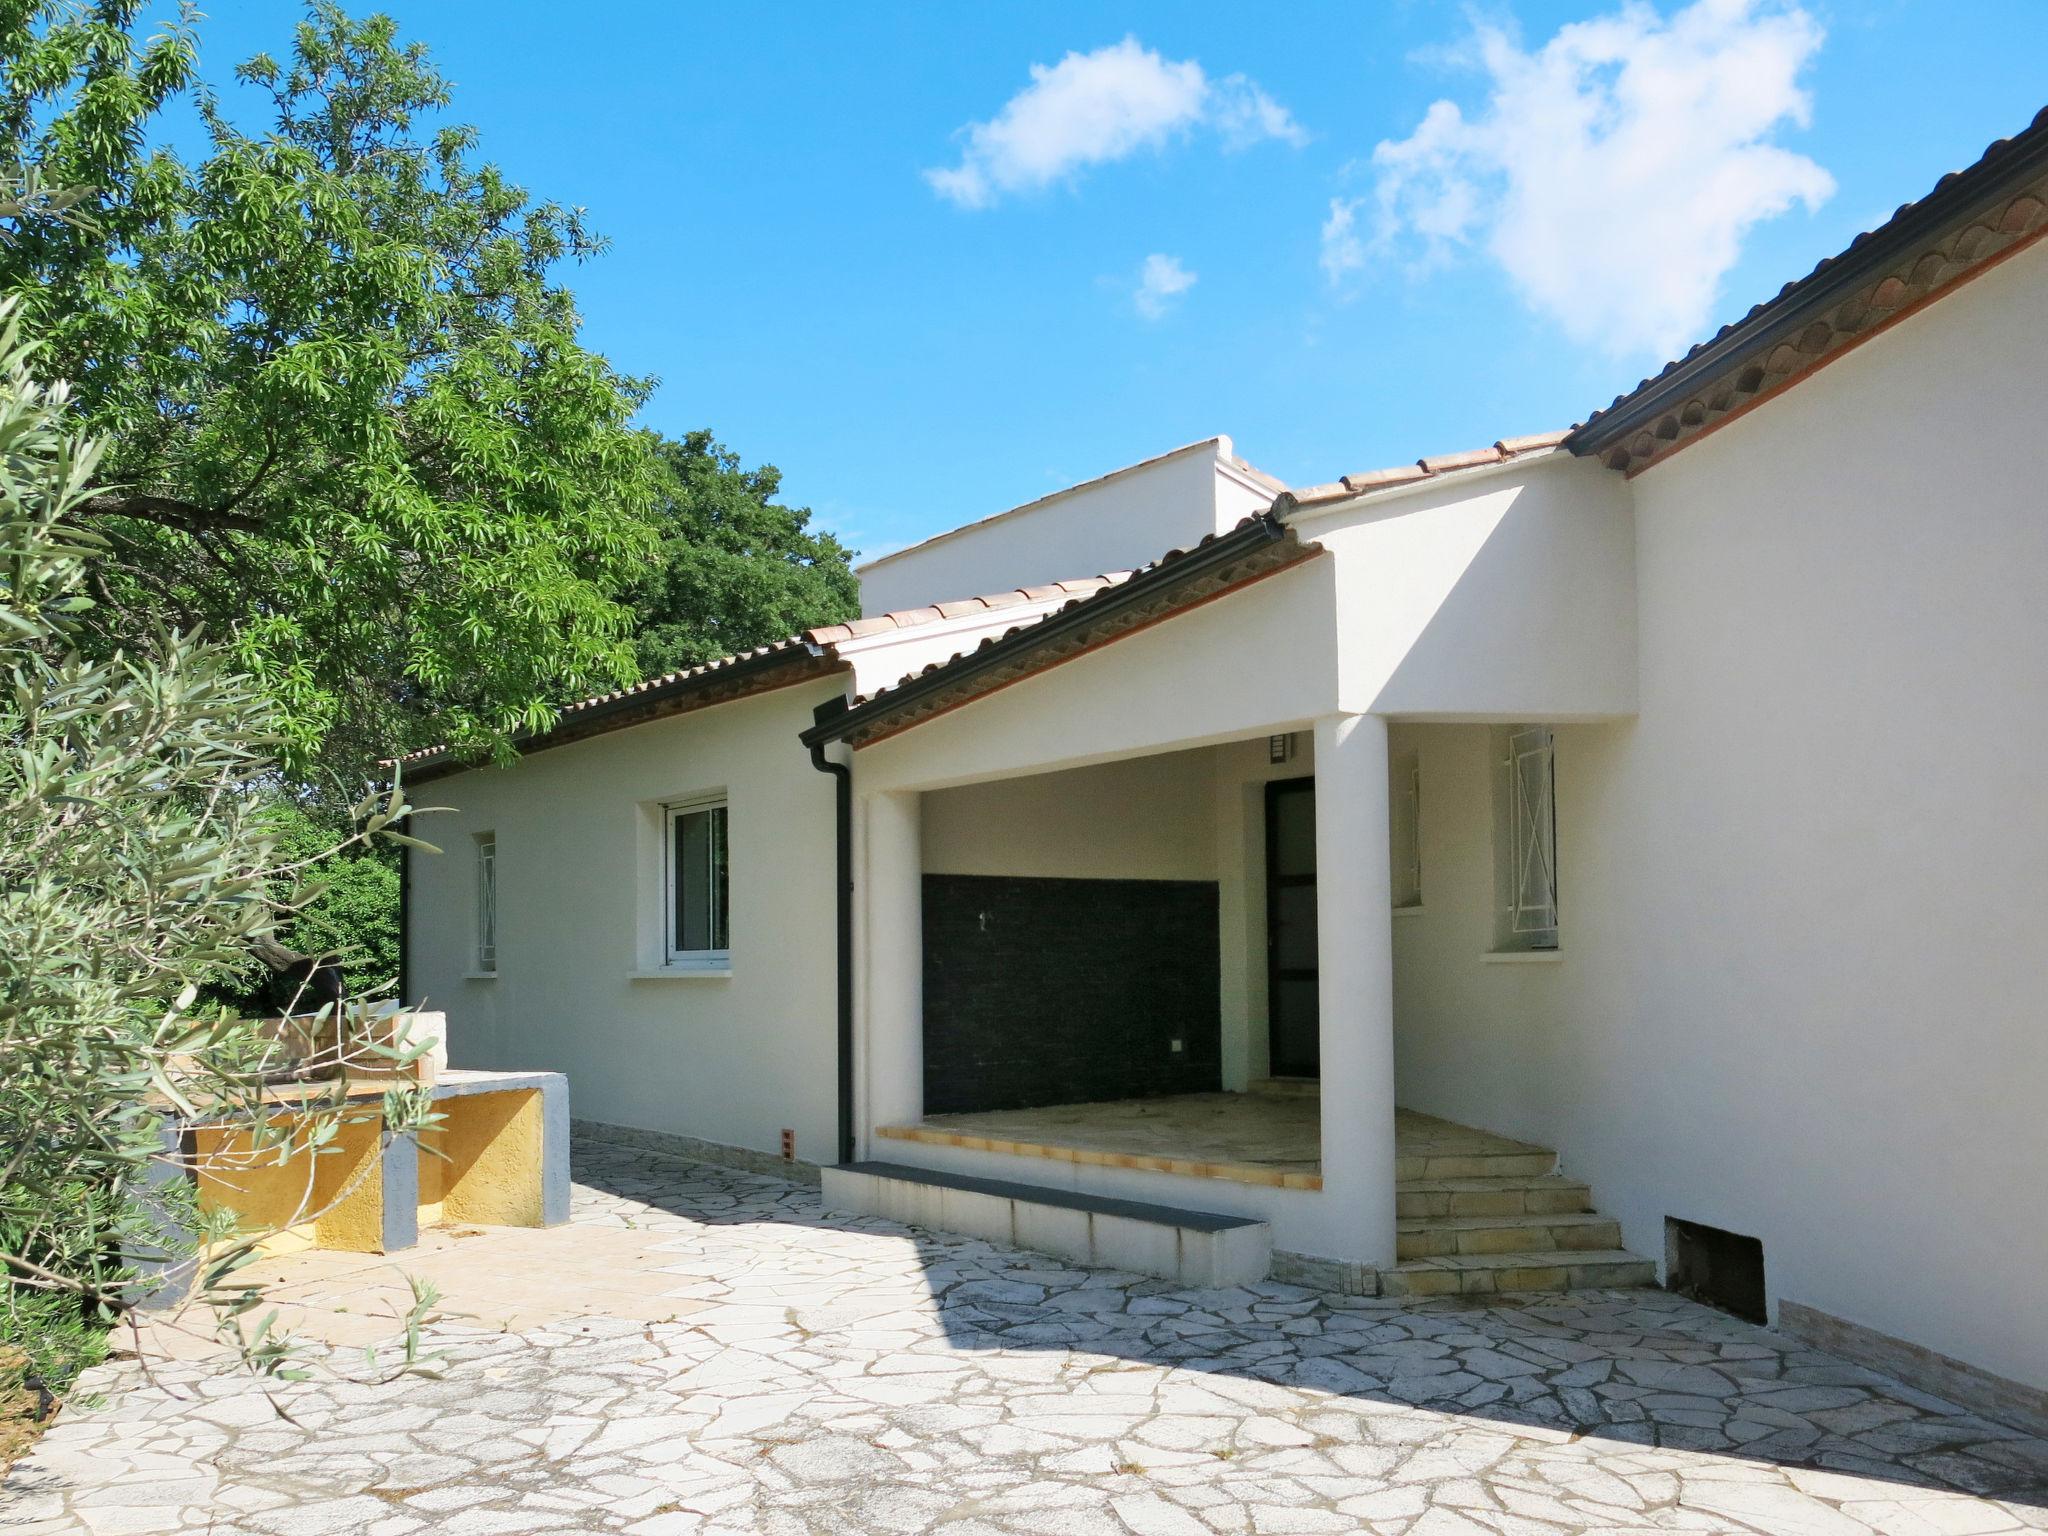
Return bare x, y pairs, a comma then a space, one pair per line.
960, 607
1260, 530
1430, 466
819, 641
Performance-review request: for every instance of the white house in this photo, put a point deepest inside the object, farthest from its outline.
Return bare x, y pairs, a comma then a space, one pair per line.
1664, 795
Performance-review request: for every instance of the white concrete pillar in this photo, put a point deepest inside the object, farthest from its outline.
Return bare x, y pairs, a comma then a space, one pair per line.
891, 898
1355, 957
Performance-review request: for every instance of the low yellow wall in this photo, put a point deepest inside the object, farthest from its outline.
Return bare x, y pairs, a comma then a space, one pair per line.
489, 1167
482, 1164
277, 1189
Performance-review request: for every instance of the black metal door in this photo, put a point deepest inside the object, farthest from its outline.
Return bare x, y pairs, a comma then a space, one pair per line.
1291, 1007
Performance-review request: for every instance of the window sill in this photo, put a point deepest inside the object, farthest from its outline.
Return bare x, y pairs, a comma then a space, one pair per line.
1415, 911
683, 973
1522, 957
479, 975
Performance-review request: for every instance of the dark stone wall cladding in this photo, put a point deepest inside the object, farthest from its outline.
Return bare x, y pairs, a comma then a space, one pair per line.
1044, 991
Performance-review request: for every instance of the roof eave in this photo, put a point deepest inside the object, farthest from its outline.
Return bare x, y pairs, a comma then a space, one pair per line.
740, 679
1955, 202
865, 721
1326, 500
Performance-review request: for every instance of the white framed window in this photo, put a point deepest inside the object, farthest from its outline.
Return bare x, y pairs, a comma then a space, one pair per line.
696, 882
487, 903
1525, 838
1405, 841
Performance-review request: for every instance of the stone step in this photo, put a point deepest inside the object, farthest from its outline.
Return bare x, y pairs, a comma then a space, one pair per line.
1197, 1248
1491, 1195
1532, 1163
1423, 1237
1487, 1274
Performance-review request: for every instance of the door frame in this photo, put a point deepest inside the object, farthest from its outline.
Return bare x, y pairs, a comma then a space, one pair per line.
1275, 972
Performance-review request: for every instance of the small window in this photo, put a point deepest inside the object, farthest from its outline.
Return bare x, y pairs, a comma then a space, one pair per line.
698, 884
1525, 838
487, 903
1406, 839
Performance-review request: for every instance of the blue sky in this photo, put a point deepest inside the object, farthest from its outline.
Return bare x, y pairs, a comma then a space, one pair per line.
916, 351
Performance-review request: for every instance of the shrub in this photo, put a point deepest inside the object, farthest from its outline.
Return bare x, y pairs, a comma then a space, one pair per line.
139, 859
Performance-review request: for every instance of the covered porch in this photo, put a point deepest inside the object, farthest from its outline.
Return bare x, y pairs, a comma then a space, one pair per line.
1131, 875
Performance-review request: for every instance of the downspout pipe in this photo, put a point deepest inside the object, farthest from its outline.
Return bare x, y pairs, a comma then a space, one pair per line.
842, 797
405, 997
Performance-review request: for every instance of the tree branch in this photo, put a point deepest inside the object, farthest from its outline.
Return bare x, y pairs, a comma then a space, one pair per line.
169, 511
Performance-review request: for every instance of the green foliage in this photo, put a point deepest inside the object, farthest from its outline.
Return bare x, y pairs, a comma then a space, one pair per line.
735, 569
346, 913
47, 1338
138, 861
354, 431
351, 909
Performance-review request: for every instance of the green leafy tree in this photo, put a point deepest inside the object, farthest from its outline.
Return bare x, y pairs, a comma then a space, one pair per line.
352, 911
735, 568
347, 919
139, 860
353, 430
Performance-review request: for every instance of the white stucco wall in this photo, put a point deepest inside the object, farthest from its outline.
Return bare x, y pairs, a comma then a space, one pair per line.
1146, 818
1255, 660
731, 1060
1801, 991
1119, 522
1498, 591
1481, 1041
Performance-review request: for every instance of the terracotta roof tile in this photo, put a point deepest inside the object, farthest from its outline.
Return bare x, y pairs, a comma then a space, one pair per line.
1398, 474
1421, 469
1510, 446
816, 645
1256, 546
1437, 464
1333, 490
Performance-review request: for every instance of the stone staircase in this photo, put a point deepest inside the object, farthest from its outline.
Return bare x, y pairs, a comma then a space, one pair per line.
1478, 1214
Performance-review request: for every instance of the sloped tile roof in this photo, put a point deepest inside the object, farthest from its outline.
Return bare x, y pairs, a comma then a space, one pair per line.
798, 658
1221, 562
1421, 469
1969, 220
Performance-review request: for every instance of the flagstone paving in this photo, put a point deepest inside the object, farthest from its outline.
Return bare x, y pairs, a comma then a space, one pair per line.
805, 1373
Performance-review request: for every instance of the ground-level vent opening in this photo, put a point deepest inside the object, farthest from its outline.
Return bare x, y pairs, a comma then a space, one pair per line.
1722, 1269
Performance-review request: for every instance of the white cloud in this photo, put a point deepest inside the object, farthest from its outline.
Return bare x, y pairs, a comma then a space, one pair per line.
1161, 281
1343, 246
1612, 173
1095, 107
1244, 114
